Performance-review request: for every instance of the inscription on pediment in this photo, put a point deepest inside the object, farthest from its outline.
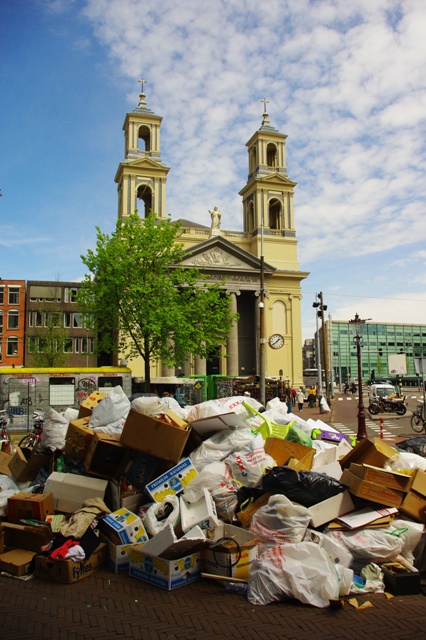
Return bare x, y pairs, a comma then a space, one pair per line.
216, 257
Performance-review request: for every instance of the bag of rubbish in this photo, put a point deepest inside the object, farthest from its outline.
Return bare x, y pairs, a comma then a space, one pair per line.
212, 476
302, 571
114, 407
305, 487
404, 462
221, 405
414, 445
279, 521
160, 514
54, 431
372, 545
219, 446
249, 464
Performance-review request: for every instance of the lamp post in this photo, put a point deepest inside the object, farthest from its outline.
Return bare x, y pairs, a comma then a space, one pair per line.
356, 323
262, 340
316, 304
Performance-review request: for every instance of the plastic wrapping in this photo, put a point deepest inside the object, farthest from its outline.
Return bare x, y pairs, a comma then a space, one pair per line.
306, 487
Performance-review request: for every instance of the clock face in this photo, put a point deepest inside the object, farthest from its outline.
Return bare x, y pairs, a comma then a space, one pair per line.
276, 341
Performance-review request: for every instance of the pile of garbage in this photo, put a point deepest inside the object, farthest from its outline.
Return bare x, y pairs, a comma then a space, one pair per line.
258, 498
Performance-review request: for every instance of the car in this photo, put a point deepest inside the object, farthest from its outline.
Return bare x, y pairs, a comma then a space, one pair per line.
382, 390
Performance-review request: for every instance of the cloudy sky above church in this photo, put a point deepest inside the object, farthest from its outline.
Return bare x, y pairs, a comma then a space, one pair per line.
344, 80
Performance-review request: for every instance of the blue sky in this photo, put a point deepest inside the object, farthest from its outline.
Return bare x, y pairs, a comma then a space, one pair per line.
345, 81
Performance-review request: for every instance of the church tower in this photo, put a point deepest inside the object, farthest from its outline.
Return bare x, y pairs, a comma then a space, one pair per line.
141, 176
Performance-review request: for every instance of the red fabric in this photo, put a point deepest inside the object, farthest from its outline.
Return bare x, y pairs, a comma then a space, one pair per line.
61, 552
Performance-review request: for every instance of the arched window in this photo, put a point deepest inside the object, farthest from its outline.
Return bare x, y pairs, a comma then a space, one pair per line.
144, 138
271, 155
250, 217
279, 320
253, 159
274, 214
144, 193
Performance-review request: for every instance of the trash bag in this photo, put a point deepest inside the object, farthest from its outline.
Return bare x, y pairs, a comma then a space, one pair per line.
414, 445
249, 464
302, 571
374, 545
404, 462
280, 521
114, 407
160, 514
54, 431
305, 487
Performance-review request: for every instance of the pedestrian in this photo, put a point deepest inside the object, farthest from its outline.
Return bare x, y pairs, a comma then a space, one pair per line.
300, 398
312, 397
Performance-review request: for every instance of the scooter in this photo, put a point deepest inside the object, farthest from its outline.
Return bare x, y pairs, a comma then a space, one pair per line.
386, 405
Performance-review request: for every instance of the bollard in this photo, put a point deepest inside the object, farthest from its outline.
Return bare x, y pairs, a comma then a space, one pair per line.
381, 428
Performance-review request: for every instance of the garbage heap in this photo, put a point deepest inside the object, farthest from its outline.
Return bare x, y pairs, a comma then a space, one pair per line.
269, 504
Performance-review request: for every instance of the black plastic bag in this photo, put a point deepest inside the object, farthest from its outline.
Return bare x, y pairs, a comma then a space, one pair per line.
414, 445
306, 487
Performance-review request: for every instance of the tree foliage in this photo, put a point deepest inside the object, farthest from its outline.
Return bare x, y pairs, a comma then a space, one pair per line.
142, 301
48, 340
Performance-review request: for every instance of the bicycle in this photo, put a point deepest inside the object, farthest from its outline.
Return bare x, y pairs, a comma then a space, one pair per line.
4, 434
31, 440
418, 422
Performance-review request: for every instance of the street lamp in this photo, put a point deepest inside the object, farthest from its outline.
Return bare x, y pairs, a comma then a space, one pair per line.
356, 325
315, 305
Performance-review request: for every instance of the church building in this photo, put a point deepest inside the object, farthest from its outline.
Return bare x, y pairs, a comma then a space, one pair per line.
259, 263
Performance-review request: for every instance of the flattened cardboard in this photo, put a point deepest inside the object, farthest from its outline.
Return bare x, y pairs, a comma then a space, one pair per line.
30, 537
68, 571
330, 509
155, 437
283, 450
5, 458
205, 427
25, 505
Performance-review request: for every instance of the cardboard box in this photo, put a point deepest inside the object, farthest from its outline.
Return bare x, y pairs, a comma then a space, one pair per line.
123, 527
155, 437
70, 490
172, 482
78, 439
68, 571
247, 513
206, 427
328, 455
25, 505
371, 491
414, 503
105, 455
118, 556
201, 513
283, 451
232, 552
330, 509
374, 452
17, 562
382, 477
24, 470
176, 420
143, 468
399, 580
120, 495
31, 537
366, 516
5, 458
86, 407
167, 562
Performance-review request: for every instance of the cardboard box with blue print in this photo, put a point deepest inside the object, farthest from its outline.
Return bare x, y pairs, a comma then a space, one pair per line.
172, 482
123, 527
166, 561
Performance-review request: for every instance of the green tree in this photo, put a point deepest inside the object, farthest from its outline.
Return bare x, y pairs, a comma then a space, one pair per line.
141, 301
48, 340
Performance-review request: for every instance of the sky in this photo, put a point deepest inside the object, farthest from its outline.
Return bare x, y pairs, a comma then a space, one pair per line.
344, 80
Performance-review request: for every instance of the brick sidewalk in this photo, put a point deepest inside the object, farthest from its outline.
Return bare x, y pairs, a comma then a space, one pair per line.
106, 606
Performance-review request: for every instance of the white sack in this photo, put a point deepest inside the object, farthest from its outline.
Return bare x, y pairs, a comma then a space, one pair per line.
220, 406
54, 431
210, 477
249, 465
302, 571
114, 407
280, 521
70, 414
404, 462
372, 545
219, 446
156, 519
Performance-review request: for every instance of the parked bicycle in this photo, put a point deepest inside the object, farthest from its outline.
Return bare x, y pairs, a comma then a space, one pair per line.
30, 441
418, 421
4, 433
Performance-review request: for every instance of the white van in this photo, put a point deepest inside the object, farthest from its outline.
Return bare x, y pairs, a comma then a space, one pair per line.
381, 390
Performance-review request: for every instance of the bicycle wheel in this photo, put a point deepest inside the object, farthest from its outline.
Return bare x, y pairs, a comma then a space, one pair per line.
417, 423
27, 442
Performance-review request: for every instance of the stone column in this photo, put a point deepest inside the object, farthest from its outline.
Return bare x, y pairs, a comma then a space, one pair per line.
167, 371
200, 368
232, 362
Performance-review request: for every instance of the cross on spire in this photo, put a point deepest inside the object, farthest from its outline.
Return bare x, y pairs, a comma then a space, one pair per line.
265, 102
142, 82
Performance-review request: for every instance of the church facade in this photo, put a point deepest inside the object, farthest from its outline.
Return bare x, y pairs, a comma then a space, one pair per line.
259, 264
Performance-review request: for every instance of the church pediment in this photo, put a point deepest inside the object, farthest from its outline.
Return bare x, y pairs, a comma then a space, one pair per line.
220, 254
275, 178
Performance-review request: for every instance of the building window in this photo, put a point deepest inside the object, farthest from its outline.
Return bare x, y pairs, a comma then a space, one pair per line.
13, 319
1, 321
32, 344
70, 294
52, 319
67, 320
2, 295
1, 351
78, 321
41, 345
12, 346
68, 345
14, 295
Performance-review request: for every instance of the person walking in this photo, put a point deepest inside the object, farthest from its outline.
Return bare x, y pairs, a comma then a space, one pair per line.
312, 397
300, 399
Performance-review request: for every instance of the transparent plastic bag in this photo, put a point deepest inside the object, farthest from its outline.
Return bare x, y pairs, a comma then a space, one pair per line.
280, 521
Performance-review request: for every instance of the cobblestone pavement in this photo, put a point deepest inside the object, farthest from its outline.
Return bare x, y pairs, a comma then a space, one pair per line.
106, 605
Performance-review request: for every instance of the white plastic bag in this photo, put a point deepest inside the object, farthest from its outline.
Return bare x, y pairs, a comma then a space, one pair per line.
405, 462
54, 431
221, 405
249, 465
324, 405
114, 407
219, 446
373, 545
161, 514
302, 571
280, 521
